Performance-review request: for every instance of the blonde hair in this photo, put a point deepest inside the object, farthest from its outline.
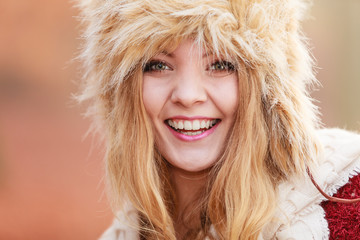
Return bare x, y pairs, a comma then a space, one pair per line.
273, 135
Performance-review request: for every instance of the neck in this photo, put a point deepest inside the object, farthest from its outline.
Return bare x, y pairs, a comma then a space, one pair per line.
187, 184
187, 187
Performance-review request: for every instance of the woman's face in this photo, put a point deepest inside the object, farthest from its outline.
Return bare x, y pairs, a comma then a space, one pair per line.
191, 100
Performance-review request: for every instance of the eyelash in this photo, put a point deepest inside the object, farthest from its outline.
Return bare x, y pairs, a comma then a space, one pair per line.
225, 65
150, 66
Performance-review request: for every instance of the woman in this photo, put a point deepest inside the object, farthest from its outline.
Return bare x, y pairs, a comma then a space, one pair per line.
209, 127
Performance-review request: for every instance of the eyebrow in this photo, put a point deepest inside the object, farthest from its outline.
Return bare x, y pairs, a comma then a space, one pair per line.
172, 55
166, 53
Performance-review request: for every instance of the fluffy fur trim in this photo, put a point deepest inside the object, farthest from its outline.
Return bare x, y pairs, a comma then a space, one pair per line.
263, 35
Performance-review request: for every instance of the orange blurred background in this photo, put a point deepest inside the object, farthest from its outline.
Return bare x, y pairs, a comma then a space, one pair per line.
50, 175
51, 183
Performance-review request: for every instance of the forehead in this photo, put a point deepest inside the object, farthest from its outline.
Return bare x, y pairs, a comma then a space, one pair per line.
189, 48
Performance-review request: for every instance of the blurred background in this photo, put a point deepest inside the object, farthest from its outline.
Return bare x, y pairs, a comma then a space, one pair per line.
51, 183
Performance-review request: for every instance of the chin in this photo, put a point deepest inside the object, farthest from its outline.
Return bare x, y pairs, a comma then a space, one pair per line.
192, 165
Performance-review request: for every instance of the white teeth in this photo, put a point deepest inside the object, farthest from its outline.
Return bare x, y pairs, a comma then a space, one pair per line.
191, 125
196, 125
192, 133
180, 125
203, 124
187, 125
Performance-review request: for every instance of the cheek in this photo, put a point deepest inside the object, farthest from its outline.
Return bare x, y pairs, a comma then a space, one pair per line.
232, 99
155, 95
151, 102
148, 102
227, 96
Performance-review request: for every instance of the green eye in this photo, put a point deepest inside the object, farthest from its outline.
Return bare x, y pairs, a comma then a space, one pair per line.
219, 66
156, 66
222, 66
159, 66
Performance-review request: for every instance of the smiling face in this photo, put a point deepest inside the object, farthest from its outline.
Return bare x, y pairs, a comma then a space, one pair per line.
191, 101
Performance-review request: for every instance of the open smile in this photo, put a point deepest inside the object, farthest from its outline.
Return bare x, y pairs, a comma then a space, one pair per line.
194, 127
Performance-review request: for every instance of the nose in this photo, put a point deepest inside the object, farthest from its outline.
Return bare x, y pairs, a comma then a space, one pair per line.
189, 89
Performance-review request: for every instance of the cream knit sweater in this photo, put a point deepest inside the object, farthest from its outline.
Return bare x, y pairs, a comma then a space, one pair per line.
299, 214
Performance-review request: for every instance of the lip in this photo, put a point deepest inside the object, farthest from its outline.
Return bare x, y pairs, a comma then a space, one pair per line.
191, 118
188, 138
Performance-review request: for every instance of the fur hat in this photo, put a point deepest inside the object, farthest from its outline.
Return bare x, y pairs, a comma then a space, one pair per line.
264, 35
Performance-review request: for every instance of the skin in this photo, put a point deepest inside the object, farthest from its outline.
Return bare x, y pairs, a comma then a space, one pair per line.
189, 85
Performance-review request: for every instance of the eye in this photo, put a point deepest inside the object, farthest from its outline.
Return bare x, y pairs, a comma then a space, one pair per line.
156, 66
222, 66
